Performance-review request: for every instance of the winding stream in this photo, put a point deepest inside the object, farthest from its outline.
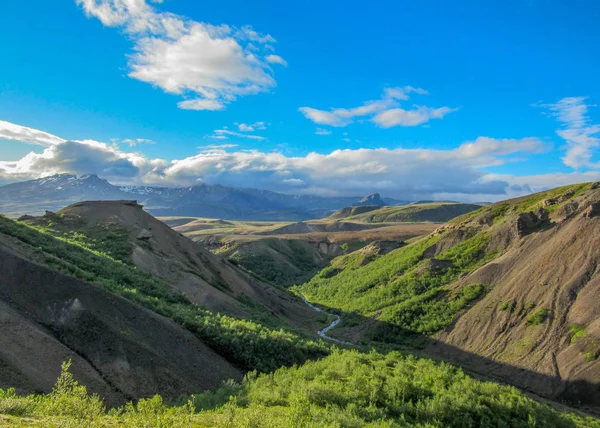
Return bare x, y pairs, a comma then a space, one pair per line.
323, 332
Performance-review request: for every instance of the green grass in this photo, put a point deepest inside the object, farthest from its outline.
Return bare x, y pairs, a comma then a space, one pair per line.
248, 344
399, 288
300, 266
576, 331
345, 389
438, 212
509, 306
565, 193
538, 317
106, 239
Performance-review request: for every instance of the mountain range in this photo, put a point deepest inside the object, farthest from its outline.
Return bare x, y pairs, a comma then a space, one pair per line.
34, 197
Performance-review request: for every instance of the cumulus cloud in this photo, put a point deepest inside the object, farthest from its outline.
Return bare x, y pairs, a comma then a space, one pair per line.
582, 136
385, 112
399, 172
208, 65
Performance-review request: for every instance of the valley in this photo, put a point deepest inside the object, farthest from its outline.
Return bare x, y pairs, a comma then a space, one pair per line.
178, 305
289, 253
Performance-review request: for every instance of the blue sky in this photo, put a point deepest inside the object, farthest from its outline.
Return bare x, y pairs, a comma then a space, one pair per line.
464, 99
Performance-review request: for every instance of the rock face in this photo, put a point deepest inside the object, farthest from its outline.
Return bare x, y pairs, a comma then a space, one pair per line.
145, 234
593, 210
529, 222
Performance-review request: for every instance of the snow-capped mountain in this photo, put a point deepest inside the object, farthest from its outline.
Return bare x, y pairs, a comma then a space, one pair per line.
52, 193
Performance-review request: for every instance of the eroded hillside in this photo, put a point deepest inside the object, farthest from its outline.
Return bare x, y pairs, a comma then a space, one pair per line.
510, 290
70, 289
286, 253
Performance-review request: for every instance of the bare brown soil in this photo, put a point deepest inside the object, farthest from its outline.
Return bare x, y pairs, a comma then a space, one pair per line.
546, 266
119, 350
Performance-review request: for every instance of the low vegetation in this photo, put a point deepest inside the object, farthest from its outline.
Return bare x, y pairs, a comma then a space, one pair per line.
538, 317
406, 292
284, 262
576, 331
246, 343
437, 212
346, 389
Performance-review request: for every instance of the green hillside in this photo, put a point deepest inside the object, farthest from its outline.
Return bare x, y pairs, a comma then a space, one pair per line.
249, 344
346, 389
437, 212
408, 290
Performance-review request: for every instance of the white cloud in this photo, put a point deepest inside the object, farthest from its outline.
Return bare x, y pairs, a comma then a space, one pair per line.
212, 147
257, 126
210, 65
10, 131
276, 59
582, 136
399, 172
131, 142
225, 132
385, 112
321, 131
414, 117
201, 104
401, 93
322, 117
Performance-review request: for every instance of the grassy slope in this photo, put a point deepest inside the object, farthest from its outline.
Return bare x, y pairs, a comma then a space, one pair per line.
348, 388
287, 259
404, 290
248, 344
438, 212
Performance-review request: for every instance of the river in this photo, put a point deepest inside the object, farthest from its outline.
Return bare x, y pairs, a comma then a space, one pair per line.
323, 332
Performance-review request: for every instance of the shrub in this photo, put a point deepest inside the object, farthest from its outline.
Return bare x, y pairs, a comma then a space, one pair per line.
538, 317
509, 306
577, 331
69, 398
12, 404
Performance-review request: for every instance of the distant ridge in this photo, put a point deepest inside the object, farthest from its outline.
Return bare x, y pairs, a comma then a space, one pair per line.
437, 212
34, 197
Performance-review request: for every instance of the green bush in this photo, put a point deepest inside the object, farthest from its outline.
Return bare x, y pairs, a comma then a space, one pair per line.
577, 331
69, 398
247, 344
345, 389
12, 404
509, 306
400, 289
538, 317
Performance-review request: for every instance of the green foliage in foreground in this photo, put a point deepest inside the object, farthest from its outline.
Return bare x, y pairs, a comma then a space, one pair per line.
403, 289
247, 344
346, 389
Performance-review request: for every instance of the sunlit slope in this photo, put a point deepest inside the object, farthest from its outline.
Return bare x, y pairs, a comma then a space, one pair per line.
515, 282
